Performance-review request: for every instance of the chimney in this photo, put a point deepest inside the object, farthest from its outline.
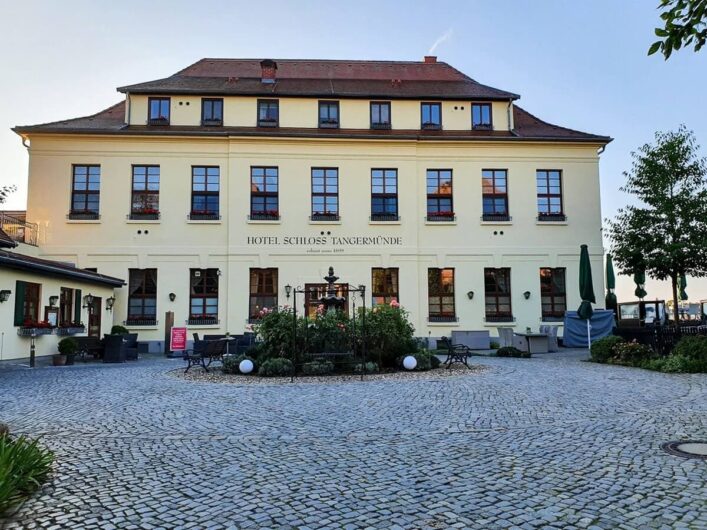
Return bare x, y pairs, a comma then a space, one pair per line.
430, 59
269, 71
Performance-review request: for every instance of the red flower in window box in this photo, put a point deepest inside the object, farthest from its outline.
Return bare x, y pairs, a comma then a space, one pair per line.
147, 211
442, 213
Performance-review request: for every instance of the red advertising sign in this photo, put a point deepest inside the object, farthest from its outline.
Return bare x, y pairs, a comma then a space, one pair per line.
178, 339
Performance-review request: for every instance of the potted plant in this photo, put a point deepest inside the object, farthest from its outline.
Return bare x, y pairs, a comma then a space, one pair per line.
67, 351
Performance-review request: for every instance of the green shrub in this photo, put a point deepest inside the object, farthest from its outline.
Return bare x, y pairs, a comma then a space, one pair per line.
495, 345
371, 368
389, 333
682, 364
631, 353
68, 346
603, 349
231, 364
510, 351
318, 367
276, 367
119, 330
692, 347
434, 360
24, 465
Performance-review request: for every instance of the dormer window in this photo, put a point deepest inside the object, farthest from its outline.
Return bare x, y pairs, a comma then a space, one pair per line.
268, 112
380, 114
158, 111
329, 114
481, 116
431, 115
211, 112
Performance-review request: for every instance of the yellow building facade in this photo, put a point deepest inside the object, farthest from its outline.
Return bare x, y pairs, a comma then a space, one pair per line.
216, 192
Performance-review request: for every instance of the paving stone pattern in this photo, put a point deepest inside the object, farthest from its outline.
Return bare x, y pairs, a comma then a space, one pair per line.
549, 443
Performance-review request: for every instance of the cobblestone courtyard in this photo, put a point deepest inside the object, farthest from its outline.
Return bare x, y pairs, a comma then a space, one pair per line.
549, 442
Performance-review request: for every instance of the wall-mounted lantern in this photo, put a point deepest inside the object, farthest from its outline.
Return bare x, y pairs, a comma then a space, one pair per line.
288, 290
526, 294
5, 295
109, 303
53, 300
172, 297
470, 295
88, 300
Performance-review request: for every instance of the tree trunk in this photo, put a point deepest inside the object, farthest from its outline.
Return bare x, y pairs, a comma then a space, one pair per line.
676, 311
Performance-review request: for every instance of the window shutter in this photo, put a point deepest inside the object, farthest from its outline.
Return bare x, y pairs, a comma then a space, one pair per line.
77, 305
19, 303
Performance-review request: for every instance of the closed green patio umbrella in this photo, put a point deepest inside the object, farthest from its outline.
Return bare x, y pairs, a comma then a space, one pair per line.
682, 283
639, 278
611, 302
586, 290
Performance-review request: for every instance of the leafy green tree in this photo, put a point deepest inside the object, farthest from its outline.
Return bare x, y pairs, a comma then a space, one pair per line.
685, 24
5, 192
666, 233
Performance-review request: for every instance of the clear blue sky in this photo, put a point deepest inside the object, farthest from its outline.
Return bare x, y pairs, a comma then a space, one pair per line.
578, 64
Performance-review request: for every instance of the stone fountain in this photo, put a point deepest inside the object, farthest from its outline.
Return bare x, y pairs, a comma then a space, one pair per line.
331, 301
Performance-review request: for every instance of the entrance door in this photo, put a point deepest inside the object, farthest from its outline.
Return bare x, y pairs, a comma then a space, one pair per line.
94, 318
316, 291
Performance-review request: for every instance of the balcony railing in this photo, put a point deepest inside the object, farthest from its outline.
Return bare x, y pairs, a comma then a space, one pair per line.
496, 217
202, 321
552, 217
442, 318
500, 318
18, 229
140, 321
204, 216
385, 217
264, 216
144, 216
324, 217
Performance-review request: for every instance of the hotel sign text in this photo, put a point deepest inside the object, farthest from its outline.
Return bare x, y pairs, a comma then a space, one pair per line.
337, 241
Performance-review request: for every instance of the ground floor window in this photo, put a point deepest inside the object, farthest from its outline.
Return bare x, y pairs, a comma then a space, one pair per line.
553, 293
66, 307
440, 295
263, 292
203, 296
497, 286
384, 286
27, 298
142, 296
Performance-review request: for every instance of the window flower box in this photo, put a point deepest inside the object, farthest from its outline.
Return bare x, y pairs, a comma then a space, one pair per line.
34, 329
73, 329
202, 320
204, 215
552, 217
500, 318
145, 214
502, 217
269, 215
83, 215
324, 216
440, 216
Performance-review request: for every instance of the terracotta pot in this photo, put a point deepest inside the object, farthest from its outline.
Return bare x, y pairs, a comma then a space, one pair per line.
58, 359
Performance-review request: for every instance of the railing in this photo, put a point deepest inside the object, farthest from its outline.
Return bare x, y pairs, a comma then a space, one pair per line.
495, 217
552, 217
19, 230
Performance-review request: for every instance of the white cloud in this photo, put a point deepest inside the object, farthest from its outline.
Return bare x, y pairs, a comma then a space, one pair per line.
443, 38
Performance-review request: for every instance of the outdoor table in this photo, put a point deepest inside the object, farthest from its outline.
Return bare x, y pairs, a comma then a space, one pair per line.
537, 342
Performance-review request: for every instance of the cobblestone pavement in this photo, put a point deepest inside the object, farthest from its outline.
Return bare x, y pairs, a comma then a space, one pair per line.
549, 442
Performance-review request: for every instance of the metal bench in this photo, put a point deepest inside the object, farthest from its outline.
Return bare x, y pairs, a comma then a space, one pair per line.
456, 353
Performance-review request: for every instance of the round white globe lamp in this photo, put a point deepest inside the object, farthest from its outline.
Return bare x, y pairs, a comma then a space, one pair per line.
409, 363
245, 366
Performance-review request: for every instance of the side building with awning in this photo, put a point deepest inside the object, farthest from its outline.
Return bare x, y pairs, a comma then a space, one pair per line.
46, 300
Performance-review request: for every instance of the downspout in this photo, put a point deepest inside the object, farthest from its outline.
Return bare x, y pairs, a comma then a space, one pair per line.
601, 150
24, 140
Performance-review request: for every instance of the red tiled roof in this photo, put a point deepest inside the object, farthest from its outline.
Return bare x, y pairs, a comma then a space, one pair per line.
111, 121
323, 78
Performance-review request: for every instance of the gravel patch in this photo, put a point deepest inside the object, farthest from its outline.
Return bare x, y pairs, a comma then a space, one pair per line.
215, 375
